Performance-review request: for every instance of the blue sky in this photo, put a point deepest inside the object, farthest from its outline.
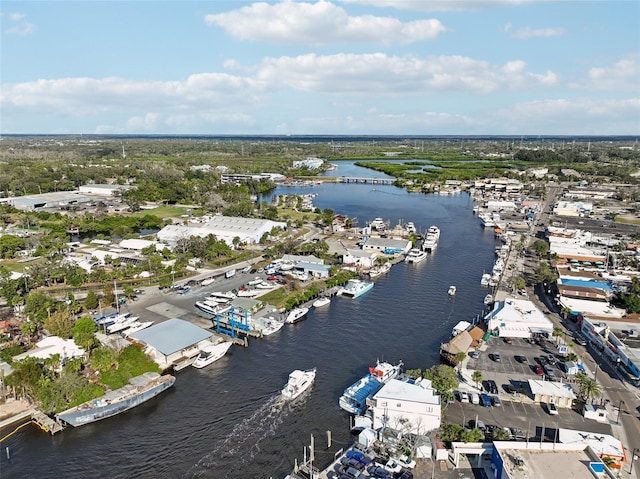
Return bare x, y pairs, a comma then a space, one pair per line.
402, 67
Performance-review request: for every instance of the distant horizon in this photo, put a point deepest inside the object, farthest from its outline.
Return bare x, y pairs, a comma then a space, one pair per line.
357, 67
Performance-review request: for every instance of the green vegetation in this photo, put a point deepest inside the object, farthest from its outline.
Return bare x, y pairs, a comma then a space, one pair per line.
130, 362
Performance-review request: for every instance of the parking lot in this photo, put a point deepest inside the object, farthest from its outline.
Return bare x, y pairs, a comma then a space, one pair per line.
518, 409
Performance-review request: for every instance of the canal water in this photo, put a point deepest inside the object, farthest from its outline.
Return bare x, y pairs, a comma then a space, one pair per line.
226, 421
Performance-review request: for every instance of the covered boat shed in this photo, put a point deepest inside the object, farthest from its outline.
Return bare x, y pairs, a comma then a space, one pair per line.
173, 343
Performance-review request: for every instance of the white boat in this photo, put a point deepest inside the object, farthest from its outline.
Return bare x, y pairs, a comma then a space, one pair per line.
415, 256
378, 224
322, 301
116, 327
266, 326
355, 288
210, 353
411, 228
248, 293
264, 285
431, 239
286, 266
207, 282
112, 319
299, 382
137, 326
379, 270
489, 220
488, 299
484, 281
296, 314
255, 281
228, 296
452, 290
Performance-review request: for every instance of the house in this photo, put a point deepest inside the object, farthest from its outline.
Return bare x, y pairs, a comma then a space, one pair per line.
358, 257
50, 346
173, 343
406, 407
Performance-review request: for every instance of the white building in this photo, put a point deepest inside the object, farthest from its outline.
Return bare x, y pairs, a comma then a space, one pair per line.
226, 228
517, 318
358, 257
406, 407
572, 208
551, 391
387, 245
50, 346
103, 189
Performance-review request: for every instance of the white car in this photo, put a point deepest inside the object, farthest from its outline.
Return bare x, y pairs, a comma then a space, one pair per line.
475, 398
463, 396
551, 406
393, 466
405, 461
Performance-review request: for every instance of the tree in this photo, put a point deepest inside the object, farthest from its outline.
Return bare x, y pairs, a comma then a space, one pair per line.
91, 301
27, 328
60, 323
477, 377
104, 359
443, 378
84, 333
471, 435
450, 432
572, 357
557, 333
500, 434
540, 247
38, 306
589, 388
544, 274
459, 358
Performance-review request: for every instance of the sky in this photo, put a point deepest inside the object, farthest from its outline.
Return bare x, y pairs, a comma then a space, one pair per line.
327, 67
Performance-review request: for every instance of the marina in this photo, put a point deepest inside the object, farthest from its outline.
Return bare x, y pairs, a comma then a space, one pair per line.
252, 376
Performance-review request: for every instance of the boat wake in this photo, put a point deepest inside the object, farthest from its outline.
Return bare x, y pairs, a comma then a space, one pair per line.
243, 443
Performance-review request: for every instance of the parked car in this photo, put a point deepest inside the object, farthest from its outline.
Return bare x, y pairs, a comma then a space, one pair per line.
496, 401
463, 396
406, 461
475, 398
538, 370
477, 424
350, 462
496, 357
551, 359
508, 340
551, 407
393, 466
520, 358
493, 387
548, 369
350, 471
485, 400
579, 339
475, 354
405, 475
358, 456
378, 472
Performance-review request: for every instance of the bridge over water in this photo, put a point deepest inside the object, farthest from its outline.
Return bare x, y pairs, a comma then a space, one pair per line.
371, 181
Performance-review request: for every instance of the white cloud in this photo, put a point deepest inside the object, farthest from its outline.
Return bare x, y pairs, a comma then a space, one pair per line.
319, 23
624, 75
16, 26
392, 75
528, 32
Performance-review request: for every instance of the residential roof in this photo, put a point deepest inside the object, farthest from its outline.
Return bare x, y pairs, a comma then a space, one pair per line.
387, 242
171, 336
313, 266
402, 390
51, 346
551, 388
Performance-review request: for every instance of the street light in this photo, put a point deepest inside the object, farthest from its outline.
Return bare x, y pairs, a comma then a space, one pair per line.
633, 458
619, 408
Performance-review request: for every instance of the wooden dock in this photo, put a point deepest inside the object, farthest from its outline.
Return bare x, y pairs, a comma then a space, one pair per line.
34, 416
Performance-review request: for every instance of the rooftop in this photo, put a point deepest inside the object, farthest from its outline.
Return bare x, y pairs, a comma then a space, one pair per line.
551, 388
402, 390
546, 464
171, 336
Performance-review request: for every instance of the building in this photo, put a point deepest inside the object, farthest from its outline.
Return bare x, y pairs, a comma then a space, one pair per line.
551, 391
173, 343
572, 208
387, 245
226, 228
104, 189
237, 178
517, 318
59, 199
358, 257
297, 258
313, 269
406, 407
50, 346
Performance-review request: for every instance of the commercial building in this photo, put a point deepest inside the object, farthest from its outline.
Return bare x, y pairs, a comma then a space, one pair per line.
551, 391
59, 199
517, 318
387, 245
106, 190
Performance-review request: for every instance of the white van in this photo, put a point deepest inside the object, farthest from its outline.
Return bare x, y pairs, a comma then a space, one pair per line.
231, 273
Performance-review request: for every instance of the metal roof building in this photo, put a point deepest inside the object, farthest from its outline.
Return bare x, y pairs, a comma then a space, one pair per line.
173, 343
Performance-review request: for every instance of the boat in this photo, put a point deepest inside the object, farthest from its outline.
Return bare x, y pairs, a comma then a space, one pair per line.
411, 228
431, 239
354, 398
299, 382
106, 321
355, 288
228, 296
255, 281
263, 285
211, 307
322, 301
378, 224
207, 282
296, 314
415, 256
266, 326
488, 299
379, 270
116, 327
140, 389
452, 290
209, 353
484, 281
136, 326
489, 220
248, 293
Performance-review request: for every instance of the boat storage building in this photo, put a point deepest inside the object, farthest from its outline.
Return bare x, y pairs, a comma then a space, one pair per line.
517, 318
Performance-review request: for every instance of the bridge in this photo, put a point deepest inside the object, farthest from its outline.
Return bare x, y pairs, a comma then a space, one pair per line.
370, 181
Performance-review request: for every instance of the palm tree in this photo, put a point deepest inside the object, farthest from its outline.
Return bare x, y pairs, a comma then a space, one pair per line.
477, 377
589, 388
557, 333
459, 358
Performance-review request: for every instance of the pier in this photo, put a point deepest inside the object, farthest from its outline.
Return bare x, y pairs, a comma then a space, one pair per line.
34, 416
370, 181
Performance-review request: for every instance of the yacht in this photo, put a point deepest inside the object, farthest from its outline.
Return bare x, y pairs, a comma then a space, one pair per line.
266, 326
248, 293
484, 281
378, 224
354, 398
299, 382
431, 239
126, 323
452, 290
379, 270
135, 327
488, 299
411, 228
415, 255
489, 220
322, 301
210, 353
355, 288
296, 314
228, 296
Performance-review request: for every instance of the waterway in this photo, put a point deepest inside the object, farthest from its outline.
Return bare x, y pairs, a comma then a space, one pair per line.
226, 421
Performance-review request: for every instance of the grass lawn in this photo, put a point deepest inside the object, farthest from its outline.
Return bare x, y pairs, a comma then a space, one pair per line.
19, 267
278, 297
164, 211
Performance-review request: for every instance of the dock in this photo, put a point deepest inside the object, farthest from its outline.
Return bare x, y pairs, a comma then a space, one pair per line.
34, 416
